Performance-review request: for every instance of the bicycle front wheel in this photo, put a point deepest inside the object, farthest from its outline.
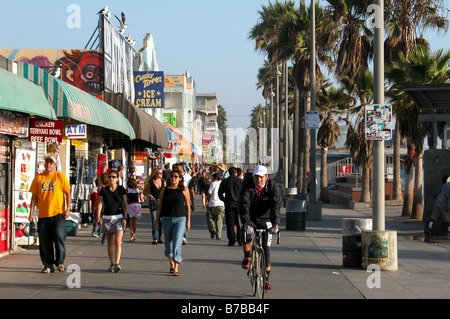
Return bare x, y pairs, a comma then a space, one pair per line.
260, 273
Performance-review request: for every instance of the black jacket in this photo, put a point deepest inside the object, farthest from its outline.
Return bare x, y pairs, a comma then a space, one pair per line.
230, 189
259, 210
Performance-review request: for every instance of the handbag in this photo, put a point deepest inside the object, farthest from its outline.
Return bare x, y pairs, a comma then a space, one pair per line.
153, 204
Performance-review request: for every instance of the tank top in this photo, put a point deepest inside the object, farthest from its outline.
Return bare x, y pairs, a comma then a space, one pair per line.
173, 203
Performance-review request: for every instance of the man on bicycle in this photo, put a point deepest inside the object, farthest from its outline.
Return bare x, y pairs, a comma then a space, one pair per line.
260, 202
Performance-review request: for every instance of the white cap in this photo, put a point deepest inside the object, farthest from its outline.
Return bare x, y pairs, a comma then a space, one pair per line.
260, 170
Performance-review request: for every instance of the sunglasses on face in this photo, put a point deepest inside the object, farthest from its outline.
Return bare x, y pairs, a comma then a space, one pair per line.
112, 176
174, 176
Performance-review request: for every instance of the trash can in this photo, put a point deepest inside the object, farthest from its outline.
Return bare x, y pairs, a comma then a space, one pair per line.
295, 214
351, 240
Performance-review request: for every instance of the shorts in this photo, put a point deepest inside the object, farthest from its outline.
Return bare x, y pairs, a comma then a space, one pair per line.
134, 210
111, 224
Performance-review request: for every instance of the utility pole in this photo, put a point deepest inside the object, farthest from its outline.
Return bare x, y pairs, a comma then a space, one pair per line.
378, 207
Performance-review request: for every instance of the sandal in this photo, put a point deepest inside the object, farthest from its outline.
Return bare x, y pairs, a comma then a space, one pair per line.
171, 270
46, 270
175, 273
155, 242
61, 268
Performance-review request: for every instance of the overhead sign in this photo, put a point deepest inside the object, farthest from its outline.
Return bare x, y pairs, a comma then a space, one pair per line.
76, 131
149, 89
378, 122
119, 56
312, 120
46, 131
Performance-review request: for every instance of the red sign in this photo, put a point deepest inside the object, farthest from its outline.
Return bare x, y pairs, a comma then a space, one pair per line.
46, 131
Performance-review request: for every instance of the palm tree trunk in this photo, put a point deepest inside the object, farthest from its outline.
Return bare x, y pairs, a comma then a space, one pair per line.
417, 209
409, 181
296, 131
365, 184
398, 196
323, 176
301, 146
306, 143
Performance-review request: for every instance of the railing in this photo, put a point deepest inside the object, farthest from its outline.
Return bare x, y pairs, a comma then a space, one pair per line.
345, 167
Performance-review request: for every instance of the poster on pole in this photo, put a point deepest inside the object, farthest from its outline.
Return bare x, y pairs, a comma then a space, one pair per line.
378, 122
312, 120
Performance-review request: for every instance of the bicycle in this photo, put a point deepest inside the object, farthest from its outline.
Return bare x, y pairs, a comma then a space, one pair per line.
257, 270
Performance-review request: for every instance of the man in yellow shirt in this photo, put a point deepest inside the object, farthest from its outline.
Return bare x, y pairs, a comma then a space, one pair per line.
51, 192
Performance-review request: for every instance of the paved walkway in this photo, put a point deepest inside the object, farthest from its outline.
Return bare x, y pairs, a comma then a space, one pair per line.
306, 265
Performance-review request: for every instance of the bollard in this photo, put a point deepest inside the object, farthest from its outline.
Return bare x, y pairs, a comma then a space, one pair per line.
351, 240
295, 214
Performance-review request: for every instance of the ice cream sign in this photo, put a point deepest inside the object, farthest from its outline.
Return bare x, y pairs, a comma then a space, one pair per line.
76, 131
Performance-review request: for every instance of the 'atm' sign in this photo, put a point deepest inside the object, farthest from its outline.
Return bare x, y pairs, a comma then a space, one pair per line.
76, 131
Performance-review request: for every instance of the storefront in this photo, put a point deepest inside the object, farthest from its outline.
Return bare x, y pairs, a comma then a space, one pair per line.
20, 101
92, 131
143, 153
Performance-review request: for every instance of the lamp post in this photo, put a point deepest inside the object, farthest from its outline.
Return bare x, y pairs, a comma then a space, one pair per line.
315, 207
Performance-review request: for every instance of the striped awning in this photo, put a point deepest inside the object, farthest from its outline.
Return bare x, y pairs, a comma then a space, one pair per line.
20, 95
71, 102
146, 127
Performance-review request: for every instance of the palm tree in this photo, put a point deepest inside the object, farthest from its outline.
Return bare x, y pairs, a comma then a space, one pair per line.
331, 102
406, 20
424, 67
360, 149
354, 45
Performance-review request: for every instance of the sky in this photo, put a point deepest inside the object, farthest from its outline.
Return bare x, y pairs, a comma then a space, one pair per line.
207, 38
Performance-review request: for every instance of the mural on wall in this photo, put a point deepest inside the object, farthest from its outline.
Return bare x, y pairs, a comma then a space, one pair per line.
81, 68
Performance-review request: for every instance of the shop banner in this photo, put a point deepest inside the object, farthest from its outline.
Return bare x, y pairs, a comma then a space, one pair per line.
46, 131
149, 89
9, 124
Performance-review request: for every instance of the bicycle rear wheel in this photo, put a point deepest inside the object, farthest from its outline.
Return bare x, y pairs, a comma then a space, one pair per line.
260, 273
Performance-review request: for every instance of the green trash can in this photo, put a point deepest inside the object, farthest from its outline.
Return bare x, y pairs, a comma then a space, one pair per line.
295, 214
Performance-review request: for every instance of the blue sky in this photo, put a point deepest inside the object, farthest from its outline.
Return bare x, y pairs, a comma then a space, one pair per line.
207, 38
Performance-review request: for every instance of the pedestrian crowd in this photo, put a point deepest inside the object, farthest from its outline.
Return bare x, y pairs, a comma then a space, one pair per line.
116, 206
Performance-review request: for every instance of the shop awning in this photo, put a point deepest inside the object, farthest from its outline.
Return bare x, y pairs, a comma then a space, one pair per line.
21, 95
71, 102
185, 147
146, 127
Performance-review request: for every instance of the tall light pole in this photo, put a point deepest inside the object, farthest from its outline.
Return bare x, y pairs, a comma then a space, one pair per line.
315, 207
312, 152
378, 146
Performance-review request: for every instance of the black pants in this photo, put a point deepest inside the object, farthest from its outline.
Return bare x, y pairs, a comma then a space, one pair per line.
232, 222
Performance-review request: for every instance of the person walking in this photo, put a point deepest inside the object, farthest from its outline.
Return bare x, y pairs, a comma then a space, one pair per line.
190, 186
441, 210
229, 191
51, 193
174, 212
113, 200
93, 194
152, 190
216, 210
134, 198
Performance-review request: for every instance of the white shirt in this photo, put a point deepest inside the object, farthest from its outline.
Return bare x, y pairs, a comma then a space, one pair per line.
187, 178
214, 201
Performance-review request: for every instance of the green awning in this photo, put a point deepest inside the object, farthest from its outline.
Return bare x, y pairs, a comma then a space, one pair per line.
69, 101
21, 95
